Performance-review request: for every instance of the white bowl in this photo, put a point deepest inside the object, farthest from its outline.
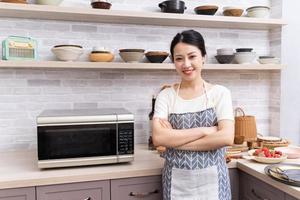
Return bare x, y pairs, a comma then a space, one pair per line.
231, 8
49, 2
225, 51
67, 53
270, 160
268, 60
244, 57
132, 57
258, 12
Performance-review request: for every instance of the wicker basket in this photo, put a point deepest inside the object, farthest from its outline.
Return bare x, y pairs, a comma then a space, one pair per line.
245, 126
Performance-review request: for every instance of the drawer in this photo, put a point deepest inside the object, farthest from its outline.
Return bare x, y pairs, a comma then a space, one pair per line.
95, 190
255, 189
27, 193
148, 188
288, 197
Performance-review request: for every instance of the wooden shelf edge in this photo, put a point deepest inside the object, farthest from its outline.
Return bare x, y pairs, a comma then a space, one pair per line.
130, 66
34, 11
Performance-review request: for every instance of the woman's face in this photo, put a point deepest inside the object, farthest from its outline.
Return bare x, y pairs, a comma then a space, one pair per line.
188, 61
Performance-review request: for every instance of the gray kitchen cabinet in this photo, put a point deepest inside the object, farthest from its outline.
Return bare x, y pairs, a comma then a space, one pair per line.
288, 197
234, 183
252, 188
94, 190
27, 193
148, 188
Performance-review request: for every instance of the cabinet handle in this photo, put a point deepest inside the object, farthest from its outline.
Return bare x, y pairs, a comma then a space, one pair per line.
89, 198
257, 196
142, 195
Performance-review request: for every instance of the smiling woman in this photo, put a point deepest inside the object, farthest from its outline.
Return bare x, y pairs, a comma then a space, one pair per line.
194, 120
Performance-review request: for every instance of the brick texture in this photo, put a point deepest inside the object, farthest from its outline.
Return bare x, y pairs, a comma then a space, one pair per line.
24, 93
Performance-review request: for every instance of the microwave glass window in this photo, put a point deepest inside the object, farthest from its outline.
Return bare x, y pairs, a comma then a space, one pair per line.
72, 141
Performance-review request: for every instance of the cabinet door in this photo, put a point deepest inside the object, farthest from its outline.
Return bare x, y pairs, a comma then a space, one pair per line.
96, 190
148, 188
288, 197
255, 189
18, 194
234, 183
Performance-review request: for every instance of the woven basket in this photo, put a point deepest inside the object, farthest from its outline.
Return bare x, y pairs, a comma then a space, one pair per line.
245, 126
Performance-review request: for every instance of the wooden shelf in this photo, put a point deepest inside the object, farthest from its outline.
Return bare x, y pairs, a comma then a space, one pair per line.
141, 66
33, 11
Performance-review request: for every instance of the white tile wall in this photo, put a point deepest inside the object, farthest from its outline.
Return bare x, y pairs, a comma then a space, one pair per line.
24, 93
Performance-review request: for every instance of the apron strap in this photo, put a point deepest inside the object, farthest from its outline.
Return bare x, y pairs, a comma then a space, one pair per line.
205, 93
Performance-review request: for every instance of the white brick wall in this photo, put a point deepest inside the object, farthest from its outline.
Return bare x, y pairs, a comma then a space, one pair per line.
24, 93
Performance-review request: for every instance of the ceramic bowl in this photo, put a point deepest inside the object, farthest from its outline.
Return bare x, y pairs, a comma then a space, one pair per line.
156, 56
243, 49
49, 2
206, 10
101, 5
67, 52
225, 51
291, 152
232, 11
101, 56
270, 160
132, 57
224, 59
172, 6
258, 11
132, 50
244, 57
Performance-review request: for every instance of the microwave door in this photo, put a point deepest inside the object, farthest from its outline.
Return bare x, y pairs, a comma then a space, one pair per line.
74, 141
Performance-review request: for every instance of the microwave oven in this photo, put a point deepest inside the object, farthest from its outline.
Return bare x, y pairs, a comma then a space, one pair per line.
84, 137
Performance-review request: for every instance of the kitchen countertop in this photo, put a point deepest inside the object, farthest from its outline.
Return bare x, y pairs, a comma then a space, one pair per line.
257, 170
19, 169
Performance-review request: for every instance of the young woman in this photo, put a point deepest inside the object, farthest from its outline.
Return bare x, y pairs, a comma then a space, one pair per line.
194, 120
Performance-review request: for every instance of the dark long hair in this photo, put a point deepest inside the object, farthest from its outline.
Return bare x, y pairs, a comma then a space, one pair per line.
191, 37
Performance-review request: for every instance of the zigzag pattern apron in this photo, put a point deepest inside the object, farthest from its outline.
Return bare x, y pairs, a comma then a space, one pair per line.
195, 175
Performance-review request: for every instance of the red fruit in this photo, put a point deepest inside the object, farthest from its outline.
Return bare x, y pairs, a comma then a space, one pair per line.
265, 149
267, 154
278, 152
257, 151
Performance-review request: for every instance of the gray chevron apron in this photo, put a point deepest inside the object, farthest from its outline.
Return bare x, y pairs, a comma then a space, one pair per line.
195, 175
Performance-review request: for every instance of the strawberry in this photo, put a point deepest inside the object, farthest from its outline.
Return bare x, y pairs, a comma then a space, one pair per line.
265, 149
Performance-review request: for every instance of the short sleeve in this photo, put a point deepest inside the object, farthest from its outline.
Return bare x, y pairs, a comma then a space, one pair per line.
161, 109
223, 107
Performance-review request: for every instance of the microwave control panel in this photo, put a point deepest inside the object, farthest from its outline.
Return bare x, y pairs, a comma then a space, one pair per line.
125, 138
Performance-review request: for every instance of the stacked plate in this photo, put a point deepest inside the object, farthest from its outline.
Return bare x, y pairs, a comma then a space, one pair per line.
224, 55
268, 60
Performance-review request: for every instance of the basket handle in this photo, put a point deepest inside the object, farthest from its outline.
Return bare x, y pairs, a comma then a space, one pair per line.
239, 110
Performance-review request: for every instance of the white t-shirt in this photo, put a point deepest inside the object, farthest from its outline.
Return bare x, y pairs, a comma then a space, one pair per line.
218, 97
